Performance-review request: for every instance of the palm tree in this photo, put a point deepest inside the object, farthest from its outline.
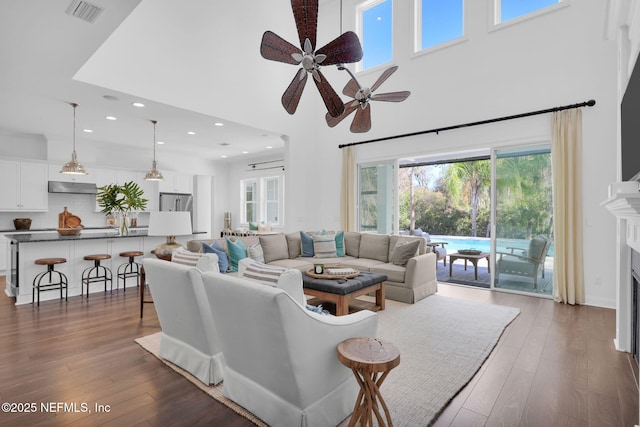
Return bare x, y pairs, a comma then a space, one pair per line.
466, 181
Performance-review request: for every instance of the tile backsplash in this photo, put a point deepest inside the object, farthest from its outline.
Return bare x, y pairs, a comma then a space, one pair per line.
82, 205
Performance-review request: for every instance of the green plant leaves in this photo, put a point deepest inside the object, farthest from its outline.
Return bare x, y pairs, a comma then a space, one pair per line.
124, 198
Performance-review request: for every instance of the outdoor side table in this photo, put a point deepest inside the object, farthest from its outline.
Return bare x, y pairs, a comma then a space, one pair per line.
367, 358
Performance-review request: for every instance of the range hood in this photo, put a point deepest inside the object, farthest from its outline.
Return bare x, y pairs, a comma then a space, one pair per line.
72, 187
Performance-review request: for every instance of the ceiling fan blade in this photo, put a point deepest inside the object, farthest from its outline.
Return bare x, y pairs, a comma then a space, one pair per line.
291, 96
331, 99
362, 121
391, 96
276, 48
305, 12
349, 107
351, 88
387, 73
342, 50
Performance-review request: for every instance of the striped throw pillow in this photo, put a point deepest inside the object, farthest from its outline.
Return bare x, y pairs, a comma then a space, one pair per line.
324, 245
183, 256
262, 273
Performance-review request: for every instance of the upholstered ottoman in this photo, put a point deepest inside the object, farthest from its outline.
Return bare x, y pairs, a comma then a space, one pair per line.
343, 292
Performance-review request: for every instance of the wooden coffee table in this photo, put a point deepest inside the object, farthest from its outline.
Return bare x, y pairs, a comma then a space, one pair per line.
468, 257
368, 357
343, 292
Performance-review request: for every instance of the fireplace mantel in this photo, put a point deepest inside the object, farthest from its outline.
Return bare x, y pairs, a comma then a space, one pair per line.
626, 208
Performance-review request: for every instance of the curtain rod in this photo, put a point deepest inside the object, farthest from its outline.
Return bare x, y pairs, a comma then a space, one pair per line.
589, 103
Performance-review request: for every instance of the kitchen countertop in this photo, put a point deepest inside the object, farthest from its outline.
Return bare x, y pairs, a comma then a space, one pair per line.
56, 237
13, 230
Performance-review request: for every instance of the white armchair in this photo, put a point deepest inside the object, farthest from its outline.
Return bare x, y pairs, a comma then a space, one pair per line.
281, 358
189, 337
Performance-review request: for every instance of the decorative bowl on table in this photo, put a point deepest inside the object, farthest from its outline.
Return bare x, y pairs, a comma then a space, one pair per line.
469, 251
22, 223
69, 231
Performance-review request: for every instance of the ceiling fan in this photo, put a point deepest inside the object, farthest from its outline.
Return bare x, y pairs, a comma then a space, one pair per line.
344, 49
361, 98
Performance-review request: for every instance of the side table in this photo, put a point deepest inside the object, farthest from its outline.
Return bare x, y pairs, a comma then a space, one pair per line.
368, 357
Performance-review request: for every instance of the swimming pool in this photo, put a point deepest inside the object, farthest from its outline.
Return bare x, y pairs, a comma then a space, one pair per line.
483, 244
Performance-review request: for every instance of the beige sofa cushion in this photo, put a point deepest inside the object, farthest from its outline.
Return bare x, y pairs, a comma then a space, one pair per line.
294, 243
362, 264
352, 243
274, 247
374, 246
394, 273
302, 264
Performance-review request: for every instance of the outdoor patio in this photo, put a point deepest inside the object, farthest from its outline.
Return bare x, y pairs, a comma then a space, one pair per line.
462, 277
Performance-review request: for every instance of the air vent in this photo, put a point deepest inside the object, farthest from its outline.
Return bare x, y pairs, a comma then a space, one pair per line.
83, 10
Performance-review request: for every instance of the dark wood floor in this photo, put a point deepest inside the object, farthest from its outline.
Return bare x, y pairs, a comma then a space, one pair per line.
555, 365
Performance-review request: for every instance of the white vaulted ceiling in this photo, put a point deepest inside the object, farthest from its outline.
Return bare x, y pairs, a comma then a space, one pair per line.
192, 63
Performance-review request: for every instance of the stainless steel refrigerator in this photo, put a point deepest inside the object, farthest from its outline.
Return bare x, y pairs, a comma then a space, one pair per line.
177, 202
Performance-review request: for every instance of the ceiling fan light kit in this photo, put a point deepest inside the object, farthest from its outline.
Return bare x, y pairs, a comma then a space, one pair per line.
342, 50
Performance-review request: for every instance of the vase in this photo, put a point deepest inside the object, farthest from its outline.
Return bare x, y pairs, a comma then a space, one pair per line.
124, 224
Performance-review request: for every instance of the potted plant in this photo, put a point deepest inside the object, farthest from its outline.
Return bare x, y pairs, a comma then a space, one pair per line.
122, 199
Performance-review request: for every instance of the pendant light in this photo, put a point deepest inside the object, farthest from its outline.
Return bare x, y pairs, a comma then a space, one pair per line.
73, 167
154, 174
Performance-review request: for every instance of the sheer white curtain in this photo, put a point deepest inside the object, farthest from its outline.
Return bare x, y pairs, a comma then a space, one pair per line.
566, 159
347, 194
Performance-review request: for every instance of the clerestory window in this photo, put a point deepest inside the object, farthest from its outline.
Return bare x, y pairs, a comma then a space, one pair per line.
438, 22
375, 32
507, 10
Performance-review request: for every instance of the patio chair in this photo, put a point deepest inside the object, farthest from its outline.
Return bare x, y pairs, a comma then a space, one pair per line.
528, 263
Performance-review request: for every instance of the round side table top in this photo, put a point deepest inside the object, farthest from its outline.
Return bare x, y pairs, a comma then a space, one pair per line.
368, 354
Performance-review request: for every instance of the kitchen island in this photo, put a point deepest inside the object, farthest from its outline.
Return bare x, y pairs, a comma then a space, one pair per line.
26, 248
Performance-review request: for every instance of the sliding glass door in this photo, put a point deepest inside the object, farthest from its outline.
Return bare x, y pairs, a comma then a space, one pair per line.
376, 195
523, 214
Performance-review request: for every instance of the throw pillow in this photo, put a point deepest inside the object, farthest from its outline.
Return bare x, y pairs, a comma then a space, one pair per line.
404, 251
253, 226
340, 244
417, 232
324, 245
306, 243
255, 252
237, 251
183, 256
317, 309
262, 273
294, 244
274, 247
223, 259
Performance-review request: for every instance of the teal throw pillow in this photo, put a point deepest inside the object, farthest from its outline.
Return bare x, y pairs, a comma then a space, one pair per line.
307, 244
237, 251
253, 226
223, 260
340, 244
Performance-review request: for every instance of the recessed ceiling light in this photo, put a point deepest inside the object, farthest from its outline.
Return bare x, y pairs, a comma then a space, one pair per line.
110, 98
224, 156
111, 118
137, 104
191, 132
87, 130
160, 142
245, 152
218, 124
268, 146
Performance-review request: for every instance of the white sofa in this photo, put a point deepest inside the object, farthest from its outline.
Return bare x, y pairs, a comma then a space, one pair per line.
281, 358
364, 251
189, 335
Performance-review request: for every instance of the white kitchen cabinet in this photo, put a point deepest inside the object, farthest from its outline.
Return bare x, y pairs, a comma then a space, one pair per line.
4, 254
176, 183
24, 186
115, 176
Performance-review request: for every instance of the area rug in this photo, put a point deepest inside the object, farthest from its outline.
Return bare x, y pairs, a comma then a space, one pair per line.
443, 342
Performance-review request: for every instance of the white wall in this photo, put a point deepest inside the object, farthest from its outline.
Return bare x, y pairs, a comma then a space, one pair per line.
555, 59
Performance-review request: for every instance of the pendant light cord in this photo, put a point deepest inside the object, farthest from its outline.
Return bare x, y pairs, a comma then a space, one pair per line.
74, 105
154, 139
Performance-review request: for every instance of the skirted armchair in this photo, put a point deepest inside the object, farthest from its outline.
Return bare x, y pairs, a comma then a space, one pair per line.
189, 336
281, 358
526, 263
